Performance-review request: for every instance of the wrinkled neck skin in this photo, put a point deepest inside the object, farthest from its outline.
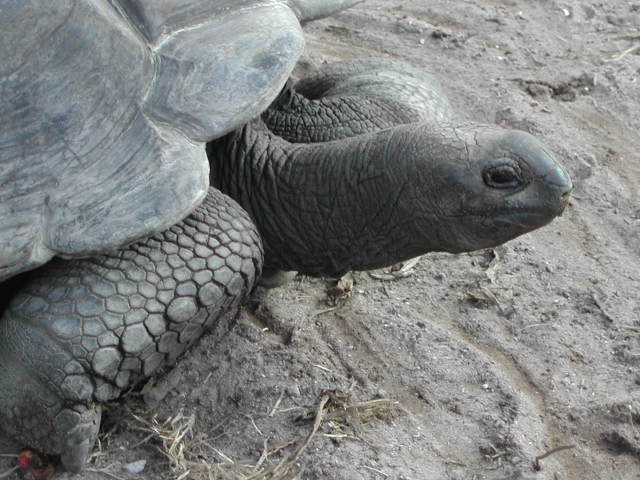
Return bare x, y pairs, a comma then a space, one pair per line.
299, 119
353, 99
320, 208
376, 199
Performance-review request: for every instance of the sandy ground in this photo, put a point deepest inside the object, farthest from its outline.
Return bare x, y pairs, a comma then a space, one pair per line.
470, 366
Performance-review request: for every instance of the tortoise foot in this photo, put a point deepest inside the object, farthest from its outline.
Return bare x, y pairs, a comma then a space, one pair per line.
81, 332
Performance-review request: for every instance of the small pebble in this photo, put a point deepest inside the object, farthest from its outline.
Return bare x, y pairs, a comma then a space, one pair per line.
135, 467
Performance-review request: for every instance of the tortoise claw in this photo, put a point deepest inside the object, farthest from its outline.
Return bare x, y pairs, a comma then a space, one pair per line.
80, 433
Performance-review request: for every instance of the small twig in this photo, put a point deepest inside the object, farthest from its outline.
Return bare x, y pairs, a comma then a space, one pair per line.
629, 37
328, 372
499, 455
401, 270
253, 422
377, 471
491, 296
144, 440
285, 465
632, 328
277, 404
276, 448
316, 425
184, 475
599, 304
219, 453
493, 266
8, 472
337, 435
321, 367
322, 312
623, 54
409, 264
536, 462
263, 456
290, 409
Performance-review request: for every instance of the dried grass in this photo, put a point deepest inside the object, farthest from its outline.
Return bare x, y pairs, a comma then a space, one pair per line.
193, 459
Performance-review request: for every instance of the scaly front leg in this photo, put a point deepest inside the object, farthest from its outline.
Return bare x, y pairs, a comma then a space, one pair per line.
80, 332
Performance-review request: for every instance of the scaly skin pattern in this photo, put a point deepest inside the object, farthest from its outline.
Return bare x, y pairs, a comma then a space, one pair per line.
300, 120
345, 99
82, 331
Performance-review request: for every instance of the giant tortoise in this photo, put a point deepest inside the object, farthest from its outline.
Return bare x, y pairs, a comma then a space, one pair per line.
105, 186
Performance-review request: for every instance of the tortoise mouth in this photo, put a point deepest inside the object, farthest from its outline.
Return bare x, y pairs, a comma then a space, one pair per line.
540, 215
508, 225
526, 220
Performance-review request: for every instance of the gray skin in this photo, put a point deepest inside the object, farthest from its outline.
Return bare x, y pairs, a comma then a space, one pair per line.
351, 98
357, 201
106, 106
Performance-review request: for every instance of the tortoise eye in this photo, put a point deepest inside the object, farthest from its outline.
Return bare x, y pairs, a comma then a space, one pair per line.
502, 176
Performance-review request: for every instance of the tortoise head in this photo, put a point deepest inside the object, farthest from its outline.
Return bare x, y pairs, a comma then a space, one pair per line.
491, 186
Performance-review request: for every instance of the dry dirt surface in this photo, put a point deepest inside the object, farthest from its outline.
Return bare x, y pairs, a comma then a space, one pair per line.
461, 367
